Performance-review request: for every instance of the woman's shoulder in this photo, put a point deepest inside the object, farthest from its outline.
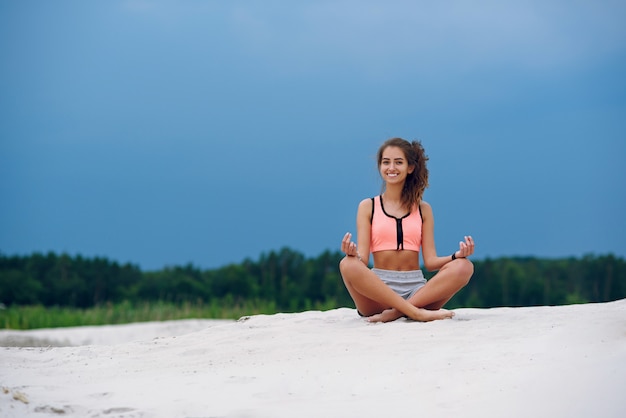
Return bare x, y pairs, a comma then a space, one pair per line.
425, 207
366, 203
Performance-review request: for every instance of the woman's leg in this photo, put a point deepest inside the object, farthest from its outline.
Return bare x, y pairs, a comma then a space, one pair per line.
360, 280
437, 291
451, 278
372, 296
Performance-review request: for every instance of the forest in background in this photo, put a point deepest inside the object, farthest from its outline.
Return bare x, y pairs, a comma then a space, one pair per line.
287, 281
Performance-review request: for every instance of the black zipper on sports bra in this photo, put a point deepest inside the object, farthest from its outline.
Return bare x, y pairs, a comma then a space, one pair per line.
399, 231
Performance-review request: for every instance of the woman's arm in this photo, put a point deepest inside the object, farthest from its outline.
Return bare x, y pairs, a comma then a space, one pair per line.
364, 229
362, 250
432, 261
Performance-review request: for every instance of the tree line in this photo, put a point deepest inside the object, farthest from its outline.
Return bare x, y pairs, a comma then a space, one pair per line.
292, 282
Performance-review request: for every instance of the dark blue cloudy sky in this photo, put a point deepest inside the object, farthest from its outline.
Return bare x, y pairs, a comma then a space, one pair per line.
205, 132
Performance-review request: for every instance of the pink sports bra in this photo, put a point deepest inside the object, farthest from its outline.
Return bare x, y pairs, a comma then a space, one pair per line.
391, 233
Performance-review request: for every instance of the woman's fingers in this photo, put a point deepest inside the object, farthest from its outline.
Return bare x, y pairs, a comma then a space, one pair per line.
467, 247
463, 249
345, 241
470, 245
348, 246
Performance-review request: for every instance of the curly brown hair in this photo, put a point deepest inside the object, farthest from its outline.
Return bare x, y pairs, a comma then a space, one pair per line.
417, 181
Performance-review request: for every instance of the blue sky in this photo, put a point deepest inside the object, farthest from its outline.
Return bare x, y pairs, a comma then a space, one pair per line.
206, 132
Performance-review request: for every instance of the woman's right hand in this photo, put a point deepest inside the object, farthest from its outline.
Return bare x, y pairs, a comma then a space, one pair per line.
348, 246
466, 248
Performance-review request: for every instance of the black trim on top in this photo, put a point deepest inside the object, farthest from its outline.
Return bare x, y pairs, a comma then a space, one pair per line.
399, 231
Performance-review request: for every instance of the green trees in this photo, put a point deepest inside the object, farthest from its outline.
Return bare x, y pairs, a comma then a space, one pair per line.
288, 281
52, 280
529, 281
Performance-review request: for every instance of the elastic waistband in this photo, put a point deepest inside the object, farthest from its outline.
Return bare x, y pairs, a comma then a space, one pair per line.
404, 283
396, 273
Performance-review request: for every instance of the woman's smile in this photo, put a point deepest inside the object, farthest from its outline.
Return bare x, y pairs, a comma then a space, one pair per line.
393, 164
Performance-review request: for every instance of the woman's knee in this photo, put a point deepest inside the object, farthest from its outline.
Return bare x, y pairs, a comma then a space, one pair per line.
349, 267
461, 269
346, 265
465, 269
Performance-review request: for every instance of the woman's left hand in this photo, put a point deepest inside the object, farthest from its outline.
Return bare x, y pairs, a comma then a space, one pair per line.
466, 248
348, 246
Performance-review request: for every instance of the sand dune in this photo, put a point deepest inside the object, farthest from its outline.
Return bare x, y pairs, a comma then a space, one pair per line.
565, 361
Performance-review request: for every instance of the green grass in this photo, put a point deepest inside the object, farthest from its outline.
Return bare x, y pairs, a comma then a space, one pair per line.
32, 317
37, 316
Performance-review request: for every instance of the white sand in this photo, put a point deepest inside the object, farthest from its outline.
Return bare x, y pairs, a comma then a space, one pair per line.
567, 361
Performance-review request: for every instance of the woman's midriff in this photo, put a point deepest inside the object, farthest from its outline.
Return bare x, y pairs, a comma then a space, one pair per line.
403, 260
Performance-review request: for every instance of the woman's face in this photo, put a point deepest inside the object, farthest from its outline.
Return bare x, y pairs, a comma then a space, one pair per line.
394, 166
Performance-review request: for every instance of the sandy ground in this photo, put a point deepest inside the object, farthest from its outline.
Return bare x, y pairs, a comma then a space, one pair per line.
565, 361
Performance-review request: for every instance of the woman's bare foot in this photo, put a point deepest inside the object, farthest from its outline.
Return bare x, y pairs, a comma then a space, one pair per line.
387, 315
426, 315
419, 314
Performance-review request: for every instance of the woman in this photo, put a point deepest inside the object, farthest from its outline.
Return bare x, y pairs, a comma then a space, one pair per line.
393, 227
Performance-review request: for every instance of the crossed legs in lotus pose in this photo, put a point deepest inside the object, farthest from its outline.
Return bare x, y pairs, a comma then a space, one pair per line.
375, 300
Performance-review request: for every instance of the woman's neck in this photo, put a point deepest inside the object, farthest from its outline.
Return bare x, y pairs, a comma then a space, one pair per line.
393, 193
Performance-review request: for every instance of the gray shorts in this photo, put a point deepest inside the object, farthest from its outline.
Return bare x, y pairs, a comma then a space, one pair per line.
404, 283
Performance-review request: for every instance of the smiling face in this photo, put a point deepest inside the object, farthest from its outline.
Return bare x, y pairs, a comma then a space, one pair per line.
393, 165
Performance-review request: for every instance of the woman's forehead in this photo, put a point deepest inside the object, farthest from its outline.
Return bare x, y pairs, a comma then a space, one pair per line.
393, 153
